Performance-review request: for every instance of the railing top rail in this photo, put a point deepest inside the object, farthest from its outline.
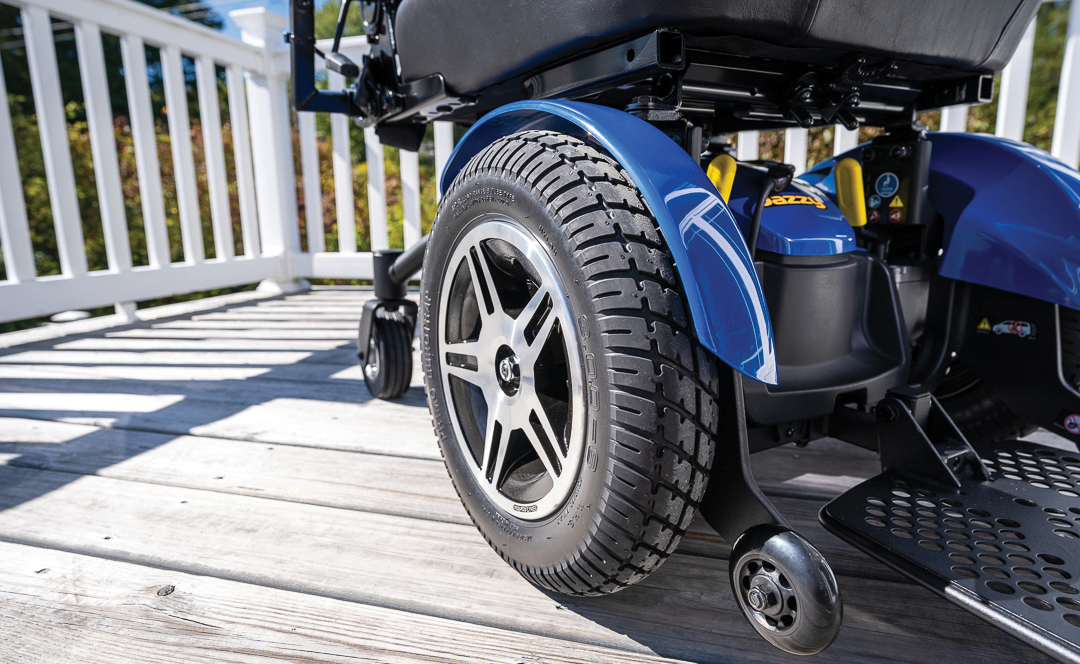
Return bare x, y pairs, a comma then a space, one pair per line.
155, 27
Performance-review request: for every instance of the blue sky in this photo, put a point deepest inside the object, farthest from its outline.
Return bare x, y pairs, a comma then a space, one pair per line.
223, 7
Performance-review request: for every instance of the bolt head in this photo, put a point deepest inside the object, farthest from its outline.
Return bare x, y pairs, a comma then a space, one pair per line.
757, 599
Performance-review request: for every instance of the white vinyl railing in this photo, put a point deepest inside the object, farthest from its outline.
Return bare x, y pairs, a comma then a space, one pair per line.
257, 72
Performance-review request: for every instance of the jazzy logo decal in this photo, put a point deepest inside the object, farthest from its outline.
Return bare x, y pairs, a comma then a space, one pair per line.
792, 199
1013, 328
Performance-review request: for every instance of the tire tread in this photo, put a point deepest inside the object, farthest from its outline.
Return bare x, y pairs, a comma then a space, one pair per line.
664, 386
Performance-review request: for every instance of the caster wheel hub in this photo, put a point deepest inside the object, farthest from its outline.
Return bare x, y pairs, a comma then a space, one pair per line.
764, 596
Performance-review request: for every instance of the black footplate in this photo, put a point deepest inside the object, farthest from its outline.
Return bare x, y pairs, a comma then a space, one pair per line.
1007, 550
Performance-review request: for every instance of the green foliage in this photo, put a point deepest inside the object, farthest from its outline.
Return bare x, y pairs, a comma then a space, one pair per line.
326, 20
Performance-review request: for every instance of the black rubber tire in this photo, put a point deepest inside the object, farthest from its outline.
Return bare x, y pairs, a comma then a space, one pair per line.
392, 335
652, 415
976, 409
818, 608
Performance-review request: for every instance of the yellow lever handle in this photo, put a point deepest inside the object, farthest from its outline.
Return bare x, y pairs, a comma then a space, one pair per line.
722, 174
849, 191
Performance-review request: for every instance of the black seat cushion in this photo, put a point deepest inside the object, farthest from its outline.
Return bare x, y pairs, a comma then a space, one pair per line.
475, 44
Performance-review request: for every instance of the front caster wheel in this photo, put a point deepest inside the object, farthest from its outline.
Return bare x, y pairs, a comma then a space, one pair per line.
387, 364
786, 589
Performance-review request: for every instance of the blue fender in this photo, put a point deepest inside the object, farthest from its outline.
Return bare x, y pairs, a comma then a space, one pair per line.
727, 306
1011, 211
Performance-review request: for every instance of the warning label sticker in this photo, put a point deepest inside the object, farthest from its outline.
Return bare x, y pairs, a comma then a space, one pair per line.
896, 203
1072, 424
896, 215
887, 184
1012, 328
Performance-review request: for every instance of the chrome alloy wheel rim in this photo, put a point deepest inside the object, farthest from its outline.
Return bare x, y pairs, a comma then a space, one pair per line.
511, 368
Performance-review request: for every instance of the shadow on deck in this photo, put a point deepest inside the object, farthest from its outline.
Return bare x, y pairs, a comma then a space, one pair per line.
221, 487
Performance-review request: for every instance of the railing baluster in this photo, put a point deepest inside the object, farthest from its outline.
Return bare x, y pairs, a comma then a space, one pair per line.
214, 149
144, 138
95, 87
376, 190
954, 118
309, 165
845, 139
187, 196
795, 148
343, 177
410, 196
444, 147
14, 227
272, 154
1012, 97
52, 123
747, 149
245, 178
1066, 143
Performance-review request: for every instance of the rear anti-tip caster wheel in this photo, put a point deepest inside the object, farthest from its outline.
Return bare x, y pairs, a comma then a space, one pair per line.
388, 363
786, 589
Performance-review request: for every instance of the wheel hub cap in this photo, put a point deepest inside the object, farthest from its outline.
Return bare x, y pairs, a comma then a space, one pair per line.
511, 368
768, 594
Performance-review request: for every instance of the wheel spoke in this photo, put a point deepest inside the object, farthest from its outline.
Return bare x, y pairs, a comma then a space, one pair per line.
481, 379
530, 352
495, 438
548, 456
545, 424
486, 295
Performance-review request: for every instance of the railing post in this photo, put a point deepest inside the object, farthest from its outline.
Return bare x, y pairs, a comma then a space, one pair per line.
14, 226
344, 204
795, 148
954, 118
444, 147
59, 172
1013, 94
844, 139
1066, 144
410, 197
747, 148
376, 190
271, 147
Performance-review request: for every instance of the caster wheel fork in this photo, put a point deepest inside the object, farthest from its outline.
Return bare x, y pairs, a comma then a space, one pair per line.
786, 589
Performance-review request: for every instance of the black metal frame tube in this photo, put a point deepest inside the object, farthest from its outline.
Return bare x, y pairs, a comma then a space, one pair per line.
305, 96
408, 263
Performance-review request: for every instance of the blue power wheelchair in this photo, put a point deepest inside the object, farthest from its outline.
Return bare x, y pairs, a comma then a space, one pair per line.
615, 313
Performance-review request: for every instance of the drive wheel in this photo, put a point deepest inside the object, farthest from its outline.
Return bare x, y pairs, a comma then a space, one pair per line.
573, 407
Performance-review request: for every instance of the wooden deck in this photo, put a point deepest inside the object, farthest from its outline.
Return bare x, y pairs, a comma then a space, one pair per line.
220, 487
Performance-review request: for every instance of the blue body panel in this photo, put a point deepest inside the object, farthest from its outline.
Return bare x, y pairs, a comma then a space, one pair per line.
727, 305
1012, 215
793, 230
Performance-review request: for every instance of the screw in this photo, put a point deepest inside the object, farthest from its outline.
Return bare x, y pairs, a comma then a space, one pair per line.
165, 591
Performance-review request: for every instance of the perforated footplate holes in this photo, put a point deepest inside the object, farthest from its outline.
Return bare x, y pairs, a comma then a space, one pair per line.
1012, 542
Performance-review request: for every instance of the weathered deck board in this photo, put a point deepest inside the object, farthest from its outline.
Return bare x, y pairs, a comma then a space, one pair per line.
258, 471
122, 618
